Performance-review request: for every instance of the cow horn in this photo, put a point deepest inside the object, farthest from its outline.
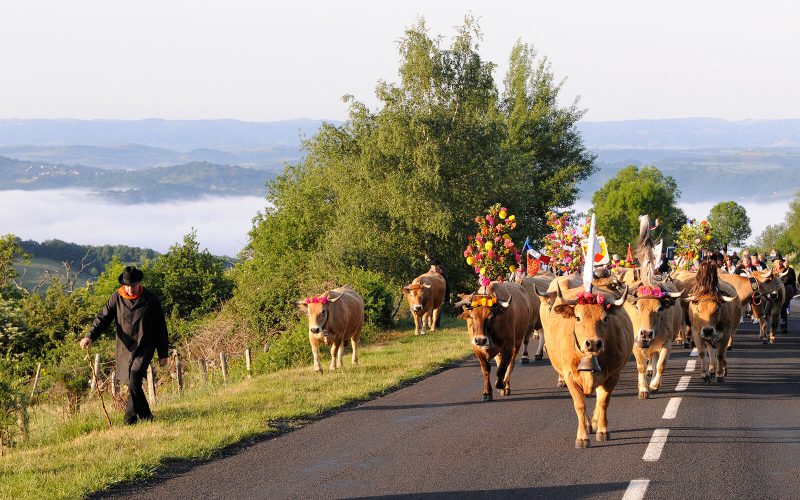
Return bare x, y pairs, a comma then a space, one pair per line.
783, 274
621, 300
675, 295
425, 285
691, 298
559, 295
727, 298
332, 298
505, 304
544, 295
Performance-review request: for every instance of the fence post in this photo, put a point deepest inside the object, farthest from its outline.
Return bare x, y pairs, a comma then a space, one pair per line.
95, 370
179, 372
36, 379
203, 368
248, 362
114, 382
151, 385
223, 361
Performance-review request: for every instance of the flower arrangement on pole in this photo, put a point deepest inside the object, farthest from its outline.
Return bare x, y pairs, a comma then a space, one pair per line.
491, 252
694, 239
563, 244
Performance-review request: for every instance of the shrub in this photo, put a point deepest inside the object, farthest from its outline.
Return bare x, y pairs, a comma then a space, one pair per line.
13, 408
378, 294
289, 349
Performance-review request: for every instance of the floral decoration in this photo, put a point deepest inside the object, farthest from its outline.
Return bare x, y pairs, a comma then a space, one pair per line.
588, 298
694, 239
650, 291
316, 300
491, 252
563, 244
484, 302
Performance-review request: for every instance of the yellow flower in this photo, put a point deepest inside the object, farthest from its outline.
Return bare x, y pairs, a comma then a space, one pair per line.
475, 303
506, 237
483, 301
512, 217
483, 271
512, 268
503, 214
491, 302
488, 245
470, 260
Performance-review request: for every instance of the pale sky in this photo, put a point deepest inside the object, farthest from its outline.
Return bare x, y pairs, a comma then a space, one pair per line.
264, 61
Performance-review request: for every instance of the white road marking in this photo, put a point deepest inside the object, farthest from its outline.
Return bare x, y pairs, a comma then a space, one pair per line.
672, 408
693, 353
636, 489
690, 365
656, 446
683, 383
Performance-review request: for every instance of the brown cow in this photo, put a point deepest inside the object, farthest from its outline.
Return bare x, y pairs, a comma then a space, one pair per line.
714, 312
425, 298
497, 321
589, 342
769, 295
334, 318
531, 284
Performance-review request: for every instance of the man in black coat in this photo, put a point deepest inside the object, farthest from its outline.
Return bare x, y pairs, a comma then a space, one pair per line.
141, 331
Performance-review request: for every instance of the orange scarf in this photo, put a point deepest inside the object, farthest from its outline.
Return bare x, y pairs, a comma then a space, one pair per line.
121, 291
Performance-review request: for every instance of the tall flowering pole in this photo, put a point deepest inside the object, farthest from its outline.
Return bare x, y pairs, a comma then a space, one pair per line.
491, 252
694, 239
563, 244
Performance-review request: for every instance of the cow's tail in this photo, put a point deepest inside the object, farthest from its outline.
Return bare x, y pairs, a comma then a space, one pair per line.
644, 251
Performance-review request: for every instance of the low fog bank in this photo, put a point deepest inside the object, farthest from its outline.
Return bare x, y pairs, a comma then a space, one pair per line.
222, 223
762, 214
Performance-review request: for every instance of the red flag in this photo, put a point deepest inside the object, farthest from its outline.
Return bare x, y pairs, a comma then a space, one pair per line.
629, 257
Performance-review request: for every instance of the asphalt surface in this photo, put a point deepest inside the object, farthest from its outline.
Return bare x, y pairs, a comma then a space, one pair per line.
435, 439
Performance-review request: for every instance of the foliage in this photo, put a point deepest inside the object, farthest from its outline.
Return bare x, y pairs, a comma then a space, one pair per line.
563, 244
13, 407
392, 186
14, 338
10, 253
70, 376
491, 252
99, 256
633, 192
693, 240
730, 222
189, 282
775, 236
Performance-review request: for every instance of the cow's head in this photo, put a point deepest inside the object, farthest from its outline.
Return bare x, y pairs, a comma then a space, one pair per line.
318, 311
417, 295
591, 313
647, 313
480, 312
766, 286
705, 315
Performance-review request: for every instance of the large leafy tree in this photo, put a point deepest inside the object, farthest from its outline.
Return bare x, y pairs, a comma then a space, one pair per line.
393, 185
633, 192
730, 222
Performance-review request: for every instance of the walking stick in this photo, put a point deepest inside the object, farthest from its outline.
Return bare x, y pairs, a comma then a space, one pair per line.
97, 386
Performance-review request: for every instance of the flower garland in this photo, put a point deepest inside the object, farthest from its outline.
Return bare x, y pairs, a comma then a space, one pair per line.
484, 302
692, 241
491, 252
650, 291
588, 298
563, 244
316, 300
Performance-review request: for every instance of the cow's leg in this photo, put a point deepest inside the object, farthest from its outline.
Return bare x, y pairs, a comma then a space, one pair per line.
354, 345
334, 354
436, 313
599, 417
416, 323
486, 368
525, 341
701, 355
641, 364
560, 382
502, 366
663, 357
340, 353
579, 402
721, 362
426, 321
539, 335
773, 325
762, 326
506, 367
315, 352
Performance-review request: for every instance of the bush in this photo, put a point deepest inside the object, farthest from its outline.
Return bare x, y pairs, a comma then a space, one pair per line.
378, 294
13, 408
70, 376
289, 349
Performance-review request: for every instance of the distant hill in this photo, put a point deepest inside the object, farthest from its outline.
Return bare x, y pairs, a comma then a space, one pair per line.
190, 180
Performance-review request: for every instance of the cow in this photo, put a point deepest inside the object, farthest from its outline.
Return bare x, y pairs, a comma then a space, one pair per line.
714, 312
497, 321
656, 316
769, 295
589, 341
334, 317
684, 281
425, 298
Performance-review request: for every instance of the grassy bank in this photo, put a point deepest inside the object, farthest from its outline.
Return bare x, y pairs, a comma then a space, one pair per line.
78, 456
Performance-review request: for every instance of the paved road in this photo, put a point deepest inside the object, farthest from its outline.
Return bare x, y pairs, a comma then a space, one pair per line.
740, 439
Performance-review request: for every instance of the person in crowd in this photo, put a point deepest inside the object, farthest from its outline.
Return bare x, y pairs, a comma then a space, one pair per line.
756, 263
762, 261
141, 330
735, 258
744, 266
664, 267
779, 266
728, 265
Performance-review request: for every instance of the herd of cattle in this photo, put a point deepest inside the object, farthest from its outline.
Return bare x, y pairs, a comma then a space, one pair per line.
590, 330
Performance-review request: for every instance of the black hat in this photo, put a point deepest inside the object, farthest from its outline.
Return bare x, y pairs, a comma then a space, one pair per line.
130, 276
777, 256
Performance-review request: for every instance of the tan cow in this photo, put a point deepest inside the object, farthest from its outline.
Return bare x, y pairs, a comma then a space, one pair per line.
425, 298
531, 285
334, 318
714, 312
768, 298
497, 321
588, 344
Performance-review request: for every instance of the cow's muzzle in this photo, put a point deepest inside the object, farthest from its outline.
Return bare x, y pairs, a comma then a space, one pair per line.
645, 338
417, 308
482, 341
314, 329
593, 346
708, 335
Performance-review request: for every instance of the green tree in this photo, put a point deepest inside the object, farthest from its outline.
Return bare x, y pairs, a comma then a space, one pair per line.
775, 236
633, 192
730, 224
190, 282
11, 253
390, 186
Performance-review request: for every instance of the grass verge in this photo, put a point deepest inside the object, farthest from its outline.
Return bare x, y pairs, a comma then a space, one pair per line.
81, 456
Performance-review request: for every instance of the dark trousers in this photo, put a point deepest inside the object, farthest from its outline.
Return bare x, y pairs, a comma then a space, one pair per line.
137, 406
